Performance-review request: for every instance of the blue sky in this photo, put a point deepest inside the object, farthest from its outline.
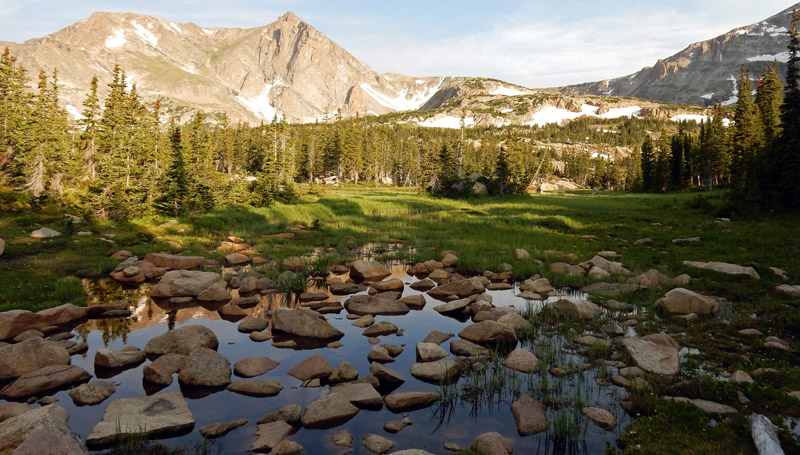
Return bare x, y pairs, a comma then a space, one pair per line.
532, 43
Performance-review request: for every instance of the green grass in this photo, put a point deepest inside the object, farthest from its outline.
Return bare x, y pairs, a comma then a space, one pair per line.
484, 232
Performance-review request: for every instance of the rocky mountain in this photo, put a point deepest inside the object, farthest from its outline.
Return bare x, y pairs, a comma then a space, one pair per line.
287, 68
706, 72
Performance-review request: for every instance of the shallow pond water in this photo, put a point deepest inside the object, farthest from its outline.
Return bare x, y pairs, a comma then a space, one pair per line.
459, 419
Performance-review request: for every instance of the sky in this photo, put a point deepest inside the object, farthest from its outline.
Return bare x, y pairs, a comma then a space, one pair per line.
534, 43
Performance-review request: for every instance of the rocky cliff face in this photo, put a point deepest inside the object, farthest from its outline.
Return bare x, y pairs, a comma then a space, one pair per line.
706, 72
287, 68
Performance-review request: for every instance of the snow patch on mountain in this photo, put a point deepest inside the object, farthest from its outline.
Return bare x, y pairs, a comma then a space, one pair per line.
402, 102
176, 27
146, 35
557, 115
506, 91
781, 57
261, 105
71, 110
208, 32
116, 39
449, 122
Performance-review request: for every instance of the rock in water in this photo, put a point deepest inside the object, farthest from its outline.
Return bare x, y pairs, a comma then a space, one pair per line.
530, 415
203, 286
92, 393
182, 341
109, 358
601, 417
44, 380
492, 444
253, 366
312, 368
440, 371
489, 332
155, 415
15, 430
327, 412
360, 394
376, 443
269, 435
522, 360
219, 429
366, 304
304, 323
30, 355
409, 401
369, 270
52, 441
205, 367
161, 370
256, 388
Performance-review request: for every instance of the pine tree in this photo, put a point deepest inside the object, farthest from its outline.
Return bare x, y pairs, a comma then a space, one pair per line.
788, 146
746, 141
91, 126
15, 114
648, 165
174, 199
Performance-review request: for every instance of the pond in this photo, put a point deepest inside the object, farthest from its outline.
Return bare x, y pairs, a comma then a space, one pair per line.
479, 402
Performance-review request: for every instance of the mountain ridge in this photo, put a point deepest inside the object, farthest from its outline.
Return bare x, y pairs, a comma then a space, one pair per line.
705, 72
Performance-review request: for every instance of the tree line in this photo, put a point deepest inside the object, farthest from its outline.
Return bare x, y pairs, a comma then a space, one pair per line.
758, 156
125, 158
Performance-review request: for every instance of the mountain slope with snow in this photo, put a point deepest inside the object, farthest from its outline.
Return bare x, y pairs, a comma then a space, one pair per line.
701, 74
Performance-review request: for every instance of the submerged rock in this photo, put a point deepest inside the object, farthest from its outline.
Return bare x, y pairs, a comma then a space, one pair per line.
269, 435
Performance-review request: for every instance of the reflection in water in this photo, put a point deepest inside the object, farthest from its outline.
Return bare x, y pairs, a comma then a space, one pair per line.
479, 402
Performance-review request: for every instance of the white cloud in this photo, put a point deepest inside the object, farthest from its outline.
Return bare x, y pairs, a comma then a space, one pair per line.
543, 54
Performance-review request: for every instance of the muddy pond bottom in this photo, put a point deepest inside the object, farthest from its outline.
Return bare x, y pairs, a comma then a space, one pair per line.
478, 402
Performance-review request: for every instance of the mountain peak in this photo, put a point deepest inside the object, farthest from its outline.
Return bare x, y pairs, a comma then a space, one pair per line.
290, 17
